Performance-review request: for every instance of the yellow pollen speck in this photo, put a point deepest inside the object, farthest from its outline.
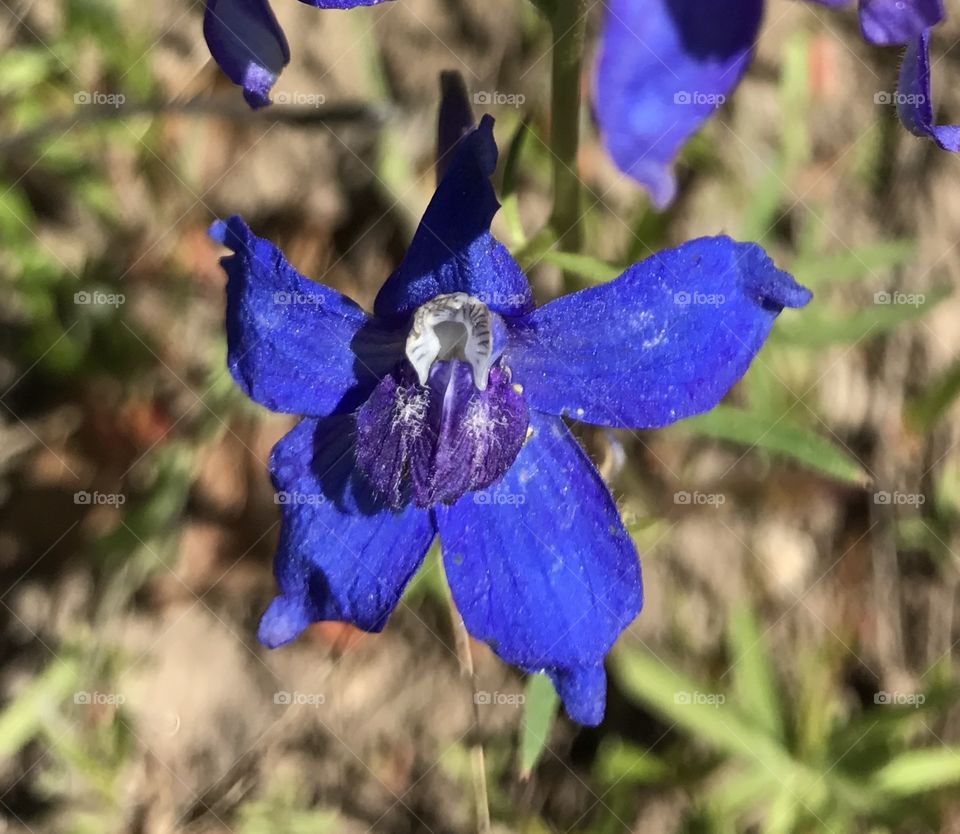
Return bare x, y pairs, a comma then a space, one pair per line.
518, 387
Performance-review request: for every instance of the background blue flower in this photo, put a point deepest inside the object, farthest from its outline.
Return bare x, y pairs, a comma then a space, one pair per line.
249, 45
665, 66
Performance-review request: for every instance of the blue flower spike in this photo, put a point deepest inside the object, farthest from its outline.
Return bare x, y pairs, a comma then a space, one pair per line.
442, 414
246, 40
666, 66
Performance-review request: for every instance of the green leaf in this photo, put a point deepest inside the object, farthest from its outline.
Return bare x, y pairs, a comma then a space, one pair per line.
740, 791
705, 715
620, 761
539, 711
29, 711
784, 813
778, 437
763, 203
752, 672
592, 270
24, 68
859, 262
919, 770
511, 166
889, 310
925, 410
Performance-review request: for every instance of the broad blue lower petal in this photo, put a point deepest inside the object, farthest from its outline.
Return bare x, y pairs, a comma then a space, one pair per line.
452, 250
294, 345
664, 341
888, 22
541, 567
436, 442
343, 554
664, 68
247, 42
914, 102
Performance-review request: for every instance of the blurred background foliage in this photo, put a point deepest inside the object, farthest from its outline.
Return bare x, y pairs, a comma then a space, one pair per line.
795, 667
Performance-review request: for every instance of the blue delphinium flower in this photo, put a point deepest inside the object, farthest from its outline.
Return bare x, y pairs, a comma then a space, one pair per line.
247, 42
665, 66
441, 413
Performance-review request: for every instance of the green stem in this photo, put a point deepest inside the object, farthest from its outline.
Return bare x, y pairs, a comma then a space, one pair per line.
481, 801
568, 22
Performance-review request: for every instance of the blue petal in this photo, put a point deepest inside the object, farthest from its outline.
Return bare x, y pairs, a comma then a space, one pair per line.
343, 555
664, 341
888, 22
665, 66
452, 250
247, 42
914, 101
294, 345
541, 567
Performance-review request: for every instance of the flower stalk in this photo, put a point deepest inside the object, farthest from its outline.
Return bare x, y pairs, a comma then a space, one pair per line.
568, 22
477, 763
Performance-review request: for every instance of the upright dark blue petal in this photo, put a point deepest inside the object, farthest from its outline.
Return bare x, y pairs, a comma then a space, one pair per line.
914, 101
541, 567
452, 250
446, 438
665, 66
343, 554
889, 22
455, 120
247, 42
664, 341
294, 345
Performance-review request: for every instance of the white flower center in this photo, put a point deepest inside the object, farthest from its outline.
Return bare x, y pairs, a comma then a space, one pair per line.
453, 326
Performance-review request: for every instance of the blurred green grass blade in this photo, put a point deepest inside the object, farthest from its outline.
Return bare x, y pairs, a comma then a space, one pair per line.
702, 714
819, 330
752, 672
918, 771
794, 95
591, 269
735, 794
619, 761
539, 711
784, 813
24, 68
925, 411
511, 167
859, 262
510, 214
769, 434
763, 205
27, 713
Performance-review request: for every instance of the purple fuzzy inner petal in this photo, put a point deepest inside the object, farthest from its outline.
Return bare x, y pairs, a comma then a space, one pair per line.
392, 427
480, 433
446, 439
